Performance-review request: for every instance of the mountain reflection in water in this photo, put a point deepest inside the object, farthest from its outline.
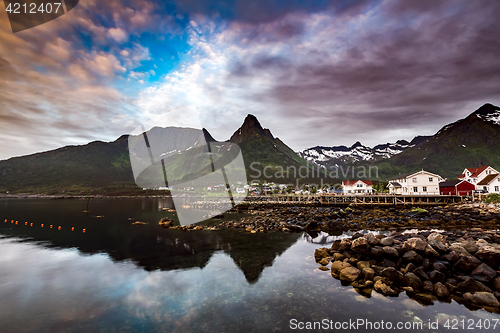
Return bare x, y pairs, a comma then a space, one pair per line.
109, 229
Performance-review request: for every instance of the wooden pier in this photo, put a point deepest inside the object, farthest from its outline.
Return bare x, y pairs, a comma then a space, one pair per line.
356, 200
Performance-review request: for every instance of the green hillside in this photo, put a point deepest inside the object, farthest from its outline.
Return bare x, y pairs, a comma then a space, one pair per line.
470, 142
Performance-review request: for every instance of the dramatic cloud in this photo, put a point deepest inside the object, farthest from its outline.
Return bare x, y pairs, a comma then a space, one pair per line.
315, 73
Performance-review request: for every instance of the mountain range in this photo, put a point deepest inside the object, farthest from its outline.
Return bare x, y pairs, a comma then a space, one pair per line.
342, 155
105, 167
470, 142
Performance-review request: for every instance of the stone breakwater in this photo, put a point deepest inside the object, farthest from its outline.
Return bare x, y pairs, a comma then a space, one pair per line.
462, 265
328, 219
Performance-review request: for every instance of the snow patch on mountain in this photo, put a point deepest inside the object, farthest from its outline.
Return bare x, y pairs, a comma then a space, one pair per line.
493, 117
357, 152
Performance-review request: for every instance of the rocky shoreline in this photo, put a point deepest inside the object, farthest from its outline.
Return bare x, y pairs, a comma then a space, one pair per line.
462, 265
334, 219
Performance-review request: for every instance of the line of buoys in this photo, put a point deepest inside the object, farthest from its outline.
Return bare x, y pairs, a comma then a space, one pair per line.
42, 225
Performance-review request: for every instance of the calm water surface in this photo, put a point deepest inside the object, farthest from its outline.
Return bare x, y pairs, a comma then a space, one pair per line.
117, 277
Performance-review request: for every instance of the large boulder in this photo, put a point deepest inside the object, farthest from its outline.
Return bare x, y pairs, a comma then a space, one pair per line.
345, 244
387, 241
368, 273
437, 276
471, 285
360, 245
337, 266
376, 253
412, 256
441, 291
390, 251
483, 273
496, 284
430, 252
438, 245
411, 280
458, 249
362, 264
372, 240
467, 263
415, 244
436, 236
482, 299
390, 273
489, 253
384, 289
469, 246
321, 253
349, 274
324, 261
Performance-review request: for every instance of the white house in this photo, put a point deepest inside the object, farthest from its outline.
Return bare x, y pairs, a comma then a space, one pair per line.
476, 175
416, 183
490, 183
357, 187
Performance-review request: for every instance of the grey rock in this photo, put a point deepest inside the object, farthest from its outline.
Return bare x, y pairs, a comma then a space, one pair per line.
483, 273
387, 241
350, 274
415, 244
360, 245
390, 273
412, 256
482, 299
411, 280
441, 291
467, 263
390, 251
437, 276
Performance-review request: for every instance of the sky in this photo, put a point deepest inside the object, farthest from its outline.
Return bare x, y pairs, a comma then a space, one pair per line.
314, 72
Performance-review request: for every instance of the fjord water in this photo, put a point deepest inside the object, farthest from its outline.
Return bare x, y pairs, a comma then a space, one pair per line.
117, 277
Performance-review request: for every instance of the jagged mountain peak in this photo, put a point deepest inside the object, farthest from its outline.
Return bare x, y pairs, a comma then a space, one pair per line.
488, 112
249, 130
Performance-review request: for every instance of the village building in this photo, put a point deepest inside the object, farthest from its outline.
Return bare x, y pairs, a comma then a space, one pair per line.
490, 184
415, 183
357, 187
476, 175
456, 187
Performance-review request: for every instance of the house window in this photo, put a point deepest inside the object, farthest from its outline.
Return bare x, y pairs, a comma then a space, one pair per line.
415, 180
424, 189
360, 185
431, 179
485, 188
496, 188
406, 190
415, 189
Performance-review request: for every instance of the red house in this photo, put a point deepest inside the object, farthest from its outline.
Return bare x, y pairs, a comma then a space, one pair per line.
456, 187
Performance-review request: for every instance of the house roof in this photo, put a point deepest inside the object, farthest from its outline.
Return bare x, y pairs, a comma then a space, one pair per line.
352, 182
406, 175
403, 175
488, 179
451, 183
394, 184
474, 171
